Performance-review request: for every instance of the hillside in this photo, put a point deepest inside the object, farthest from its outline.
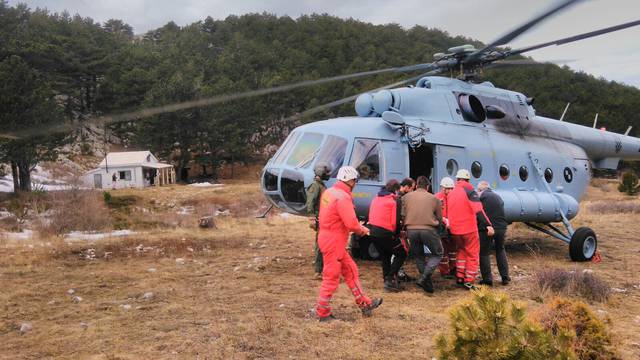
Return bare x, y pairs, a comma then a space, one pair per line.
63, 69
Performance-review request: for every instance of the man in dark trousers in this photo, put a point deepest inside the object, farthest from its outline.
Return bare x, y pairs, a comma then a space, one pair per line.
384, 221
406, 186
314, 191
494, 208
422, 215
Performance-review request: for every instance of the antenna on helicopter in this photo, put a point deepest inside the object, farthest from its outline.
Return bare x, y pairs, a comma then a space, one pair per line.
565, 111
595, 121
628, 130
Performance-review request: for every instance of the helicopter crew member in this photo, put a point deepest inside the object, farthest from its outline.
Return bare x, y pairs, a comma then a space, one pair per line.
322, 173
337, 218
447, 265
463, 204
406, 186
494, 208
422, 214
384, 221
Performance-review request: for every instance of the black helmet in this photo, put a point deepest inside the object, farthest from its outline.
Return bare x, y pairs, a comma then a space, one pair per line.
322, 170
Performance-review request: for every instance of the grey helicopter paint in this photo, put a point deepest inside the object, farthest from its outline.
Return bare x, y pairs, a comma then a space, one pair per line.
541, 167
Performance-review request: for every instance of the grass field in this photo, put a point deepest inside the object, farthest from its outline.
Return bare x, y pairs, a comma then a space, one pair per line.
245, 290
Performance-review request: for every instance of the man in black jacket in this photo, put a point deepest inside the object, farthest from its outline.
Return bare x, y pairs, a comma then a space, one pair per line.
494, 208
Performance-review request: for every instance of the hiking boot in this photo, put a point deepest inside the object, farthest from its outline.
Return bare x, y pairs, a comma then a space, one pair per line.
367, 310
426, 284
469, 286
404, 277
317, 276
329, 318
506, 280
391, 284
486, 282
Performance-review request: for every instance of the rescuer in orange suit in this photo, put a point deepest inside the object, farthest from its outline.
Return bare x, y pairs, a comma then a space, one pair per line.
336, 219
447, 265
463, 204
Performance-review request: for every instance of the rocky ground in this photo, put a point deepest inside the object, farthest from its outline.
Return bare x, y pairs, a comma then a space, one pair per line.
245, 289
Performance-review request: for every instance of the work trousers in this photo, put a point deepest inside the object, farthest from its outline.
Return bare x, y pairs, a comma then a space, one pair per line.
338, 262
317, 263
468, 256
501, 255
448, 262
390, 247
431, 239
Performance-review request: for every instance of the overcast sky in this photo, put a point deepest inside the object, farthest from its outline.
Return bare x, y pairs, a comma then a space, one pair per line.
614, 56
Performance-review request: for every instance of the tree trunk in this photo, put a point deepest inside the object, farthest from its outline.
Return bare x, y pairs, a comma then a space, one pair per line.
25, 176
16, 179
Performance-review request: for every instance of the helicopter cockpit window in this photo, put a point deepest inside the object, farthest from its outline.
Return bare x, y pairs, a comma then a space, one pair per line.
366, 159
306, 150
452, 167
476, 169
286, 147
332, 153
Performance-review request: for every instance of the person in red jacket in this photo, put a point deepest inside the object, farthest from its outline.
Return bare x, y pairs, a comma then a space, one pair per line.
463, 204
336, 219
447, 265
384, 221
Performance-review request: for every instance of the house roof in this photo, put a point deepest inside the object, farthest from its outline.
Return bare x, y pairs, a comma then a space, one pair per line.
142, 158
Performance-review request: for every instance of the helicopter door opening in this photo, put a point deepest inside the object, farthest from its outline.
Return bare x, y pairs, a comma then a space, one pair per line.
421, 161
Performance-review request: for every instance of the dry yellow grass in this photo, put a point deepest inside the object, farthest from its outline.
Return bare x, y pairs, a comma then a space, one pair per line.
246, 290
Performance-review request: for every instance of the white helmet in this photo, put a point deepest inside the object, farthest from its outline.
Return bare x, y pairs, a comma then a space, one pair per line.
463, 174
447, 183
347, 173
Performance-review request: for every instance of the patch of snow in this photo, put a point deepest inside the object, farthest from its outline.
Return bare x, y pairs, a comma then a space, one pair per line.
206, 184
221, 212
5, 214
87, 235
186, 210
24, 235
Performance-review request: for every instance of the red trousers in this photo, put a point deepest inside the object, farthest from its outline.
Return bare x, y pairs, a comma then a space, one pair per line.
468, 257
448, 261
338, 262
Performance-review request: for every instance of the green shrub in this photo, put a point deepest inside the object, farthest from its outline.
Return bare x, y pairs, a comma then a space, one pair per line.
107, 197
490, 326
629, 183
590, 338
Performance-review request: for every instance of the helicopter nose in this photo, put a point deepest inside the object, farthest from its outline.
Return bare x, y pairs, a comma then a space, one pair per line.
285, 189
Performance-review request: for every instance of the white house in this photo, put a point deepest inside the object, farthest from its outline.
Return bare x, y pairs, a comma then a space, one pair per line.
119, 170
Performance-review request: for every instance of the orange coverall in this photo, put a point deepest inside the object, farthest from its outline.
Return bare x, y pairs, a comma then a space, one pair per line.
337, 218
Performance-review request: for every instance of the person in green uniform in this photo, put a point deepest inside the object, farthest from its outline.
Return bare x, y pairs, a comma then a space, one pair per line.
322, 173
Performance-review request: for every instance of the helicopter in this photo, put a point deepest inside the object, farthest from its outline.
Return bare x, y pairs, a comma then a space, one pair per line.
540, 167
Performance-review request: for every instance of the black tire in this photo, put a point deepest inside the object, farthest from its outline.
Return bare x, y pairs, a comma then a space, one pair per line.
366, 249
583, 245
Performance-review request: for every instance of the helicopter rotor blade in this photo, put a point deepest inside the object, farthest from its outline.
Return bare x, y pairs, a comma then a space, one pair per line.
519, 30
335, 103
157, 110
574, 38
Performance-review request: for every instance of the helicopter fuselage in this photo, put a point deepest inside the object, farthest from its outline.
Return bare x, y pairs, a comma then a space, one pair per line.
541, 167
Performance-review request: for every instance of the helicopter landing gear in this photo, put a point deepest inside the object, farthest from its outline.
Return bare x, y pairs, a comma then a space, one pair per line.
583, 244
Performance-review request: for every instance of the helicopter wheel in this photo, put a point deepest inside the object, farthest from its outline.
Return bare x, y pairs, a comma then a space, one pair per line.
583, 244
366, 249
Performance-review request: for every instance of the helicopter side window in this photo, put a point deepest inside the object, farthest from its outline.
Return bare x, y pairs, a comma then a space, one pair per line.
568, 175
366, 159
524, 173
504, 172
332, 153
306, 150
452, 167
548, 175
476, 169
